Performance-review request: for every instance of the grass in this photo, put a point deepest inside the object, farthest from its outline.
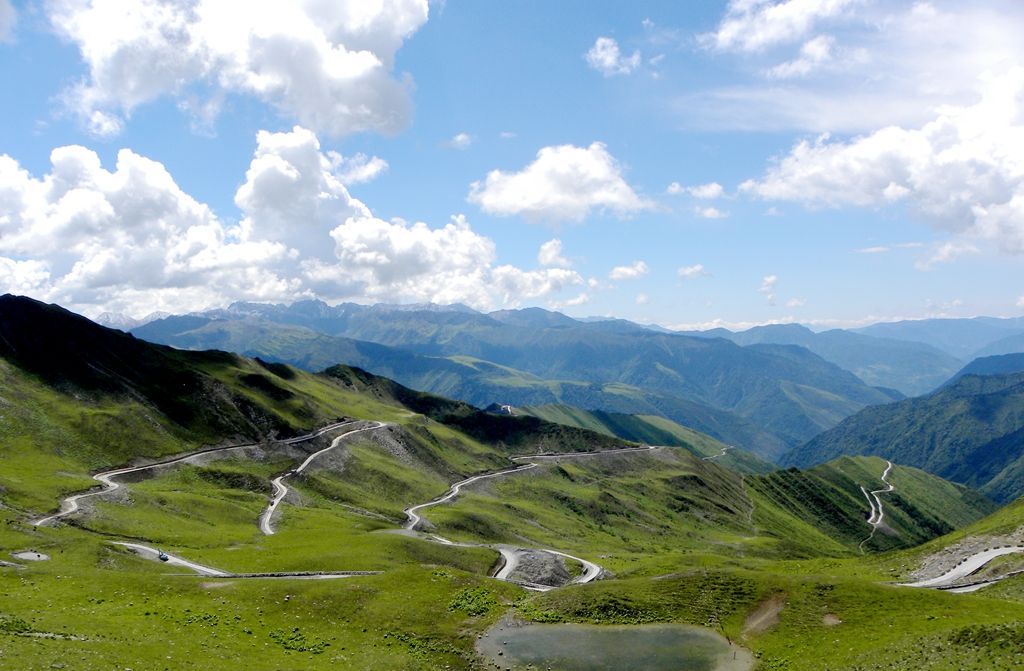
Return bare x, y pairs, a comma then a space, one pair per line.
686, 540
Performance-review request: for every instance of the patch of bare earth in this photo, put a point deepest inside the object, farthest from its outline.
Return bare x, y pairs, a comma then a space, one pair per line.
765, 616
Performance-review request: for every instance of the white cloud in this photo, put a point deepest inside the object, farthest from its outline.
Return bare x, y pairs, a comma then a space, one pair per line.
692, 272
357, 169
709, 191
398, 261
1020, 302
460, 141
642, 299
710, 213
962, 171
796, 303
631, 272
752, 25
514, 284
24, 277
130, 240
946, 252
606, 58
813, 54
563, 183
328, 65
767, 288
902, 49
127, 240
550, 254
507, 135
8, 20
292, 194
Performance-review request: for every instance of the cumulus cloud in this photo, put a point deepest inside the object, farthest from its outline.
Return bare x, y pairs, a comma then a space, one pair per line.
292, 193
709, 191
328, 65
767, 288
357, 169
710, 213
796, 303
606, 58
550, 254
129, 240
8, 19
961, 171
1020, 302
642, 299
813, 54
752, 25
563, 183
515, 284
460, 141
631, 272
121, 238
401, 261
692, 272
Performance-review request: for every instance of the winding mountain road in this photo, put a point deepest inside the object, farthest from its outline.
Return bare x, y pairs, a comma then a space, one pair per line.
70, 505
281, 490
200, 569
965, 568
877, 512
510, 555
719, 455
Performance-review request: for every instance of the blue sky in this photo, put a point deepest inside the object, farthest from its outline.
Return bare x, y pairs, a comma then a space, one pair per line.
691, 164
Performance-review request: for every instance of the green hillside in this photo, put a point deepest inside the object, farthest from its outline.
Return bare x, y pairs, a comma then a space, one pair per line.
684, 539
829, 498
650, 430
969, 432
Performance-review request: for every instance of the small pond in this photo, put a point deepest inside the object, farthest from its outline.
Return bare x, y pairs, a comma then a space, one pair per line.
580, 647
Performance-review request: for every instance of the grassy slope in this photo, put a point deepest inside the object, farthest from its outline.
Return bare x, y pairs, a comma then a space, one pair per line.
829, 499
650, 430
969, 432
678, 532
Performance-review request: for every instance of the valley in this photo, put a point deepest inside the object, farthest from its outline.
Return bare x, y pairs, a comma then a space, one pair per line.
392, 529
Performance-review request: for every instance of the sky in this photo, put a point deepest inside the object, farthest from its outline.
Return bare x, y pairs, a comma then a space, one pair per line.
691, 164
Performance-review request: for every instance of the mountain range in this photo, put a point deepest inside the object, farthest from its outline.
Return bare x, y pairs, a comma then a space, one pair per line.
774, 396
